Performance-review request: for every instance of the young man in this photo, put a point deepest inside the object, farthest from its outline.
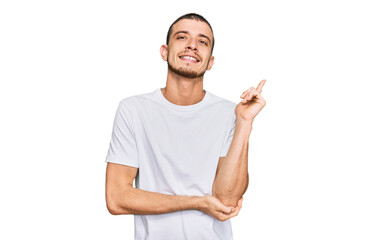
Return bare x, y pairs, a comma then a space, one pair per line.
186, 148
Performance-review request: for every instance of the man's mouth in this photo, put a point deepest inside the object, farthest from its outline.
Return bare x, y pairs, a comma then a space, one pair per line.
189, 58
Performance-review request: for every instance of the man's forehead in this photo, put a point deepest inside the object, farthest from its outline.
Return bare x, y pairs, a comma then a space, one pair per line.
193, 27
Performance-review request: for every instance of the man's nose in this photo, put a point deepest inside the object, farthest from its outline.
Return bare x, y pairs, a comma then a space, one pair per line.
192, 44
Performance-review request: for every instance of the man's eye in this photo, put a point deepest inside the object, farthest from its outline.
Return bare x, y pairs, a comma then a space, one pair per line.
180, 37
203, 42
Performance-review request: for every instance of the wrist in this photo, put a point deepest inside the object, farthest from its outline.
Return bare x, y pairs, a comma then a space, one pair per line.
200, 202
244, 121
243, 126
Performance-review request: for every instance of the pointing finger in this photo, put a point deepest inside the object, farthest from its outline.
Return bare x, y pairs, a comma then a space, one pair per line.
260, 86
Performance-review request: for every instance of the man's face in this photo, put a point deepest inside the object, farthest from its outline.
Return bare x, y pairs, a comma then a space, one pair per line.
189, 51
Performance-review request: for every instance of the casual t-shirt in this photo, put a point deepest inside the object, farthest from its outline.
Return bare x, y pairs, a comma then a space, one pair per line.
176, 150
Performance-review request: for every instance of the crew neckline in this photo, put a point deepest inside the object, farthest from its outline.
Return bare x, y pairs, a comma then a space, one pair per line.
185, 108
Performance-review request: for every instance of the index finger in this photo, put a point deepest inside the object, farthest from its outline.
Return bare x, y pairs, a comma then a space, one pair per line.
260, 86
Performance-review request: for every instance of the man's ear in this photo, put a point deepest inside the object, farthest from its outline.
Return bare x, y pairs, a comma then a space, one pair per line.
163, 52
211, 63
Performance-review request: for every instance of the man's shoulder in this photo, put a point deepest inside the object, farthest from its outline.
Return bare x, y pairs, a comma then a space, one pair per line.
134, 100
221, 102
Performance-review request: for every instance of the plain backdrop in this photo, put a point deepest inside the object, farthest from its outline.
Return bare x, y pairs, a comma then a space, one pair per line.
65, 65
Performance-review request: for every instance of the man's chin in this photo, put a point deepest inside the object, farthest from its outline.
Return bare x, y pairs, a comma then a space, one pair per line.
185, 72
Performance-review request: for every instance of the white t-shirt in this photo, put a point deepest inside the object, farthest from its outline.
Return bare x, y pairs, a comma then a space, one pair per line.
177, 150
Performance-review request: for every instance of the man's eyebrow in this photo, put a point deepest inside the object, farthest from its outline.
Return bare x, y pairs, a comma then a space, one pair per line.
186, 32
202, 35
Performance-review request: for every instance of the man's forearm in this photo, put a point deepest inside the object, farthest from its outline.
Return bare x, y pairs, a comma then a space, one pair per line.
232, 179
138, 201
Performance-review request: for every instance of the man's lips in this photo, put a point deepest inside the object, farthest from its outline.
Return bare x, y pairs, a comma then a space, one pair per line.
189, 58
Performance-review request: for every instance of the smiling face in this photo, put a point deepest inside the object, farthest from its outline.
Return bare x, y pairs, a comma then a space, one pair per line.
189, 50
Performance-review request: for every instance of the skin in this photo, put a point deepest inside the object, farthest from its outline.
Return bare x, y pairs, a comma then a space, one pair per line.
181, 90
232, 178
184, 86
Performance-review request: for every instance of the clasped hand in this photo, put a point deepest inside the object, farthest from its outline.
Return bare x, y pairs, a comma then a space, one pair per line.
215, 208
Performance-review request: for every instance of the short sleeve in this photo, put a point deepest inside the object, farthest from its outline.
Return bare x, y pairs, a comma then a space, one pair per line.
122, 148
228, 142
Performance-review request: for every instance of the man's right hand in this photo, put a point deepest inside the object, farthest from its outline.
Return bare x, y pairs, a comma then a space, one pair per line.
213, 207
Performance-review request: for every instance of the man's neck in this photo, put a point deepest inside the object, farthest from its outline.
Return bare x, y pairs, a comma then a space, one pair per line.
183, 91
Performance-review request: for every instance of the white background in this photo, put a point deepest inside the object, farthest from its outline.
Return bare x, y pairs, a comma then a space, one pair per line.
65, 65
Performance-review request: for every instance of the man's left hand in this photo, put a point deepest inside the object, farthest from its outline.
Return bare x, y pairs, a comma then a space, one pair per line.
251, 104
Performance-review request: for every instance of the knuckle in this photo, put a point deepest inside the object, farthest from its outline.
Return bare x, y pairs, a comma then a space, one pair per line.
223, 219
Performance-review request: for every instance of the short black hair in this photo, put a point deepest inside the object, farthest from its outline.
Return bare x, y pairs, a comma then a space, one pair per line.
193, 16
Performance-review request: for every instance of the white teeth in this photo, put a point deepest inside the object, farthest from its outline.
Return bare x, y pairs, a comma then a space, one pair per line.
190, 58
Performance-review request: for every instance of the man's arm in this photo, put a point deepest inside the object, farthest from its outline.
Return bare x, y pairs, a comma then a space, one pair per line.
232, 178
123, 198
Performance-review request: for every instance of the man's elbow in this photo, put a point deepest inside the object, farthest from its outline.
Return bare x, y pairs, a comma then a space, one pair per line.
228, 199
115, 207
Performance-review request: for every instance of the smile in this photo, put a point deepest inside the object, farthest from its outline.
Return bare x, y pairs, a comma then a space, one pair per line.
189, 58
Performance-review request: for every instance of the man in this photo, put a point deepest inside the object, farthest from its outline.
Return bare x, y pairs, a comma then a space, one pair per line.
185, 147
